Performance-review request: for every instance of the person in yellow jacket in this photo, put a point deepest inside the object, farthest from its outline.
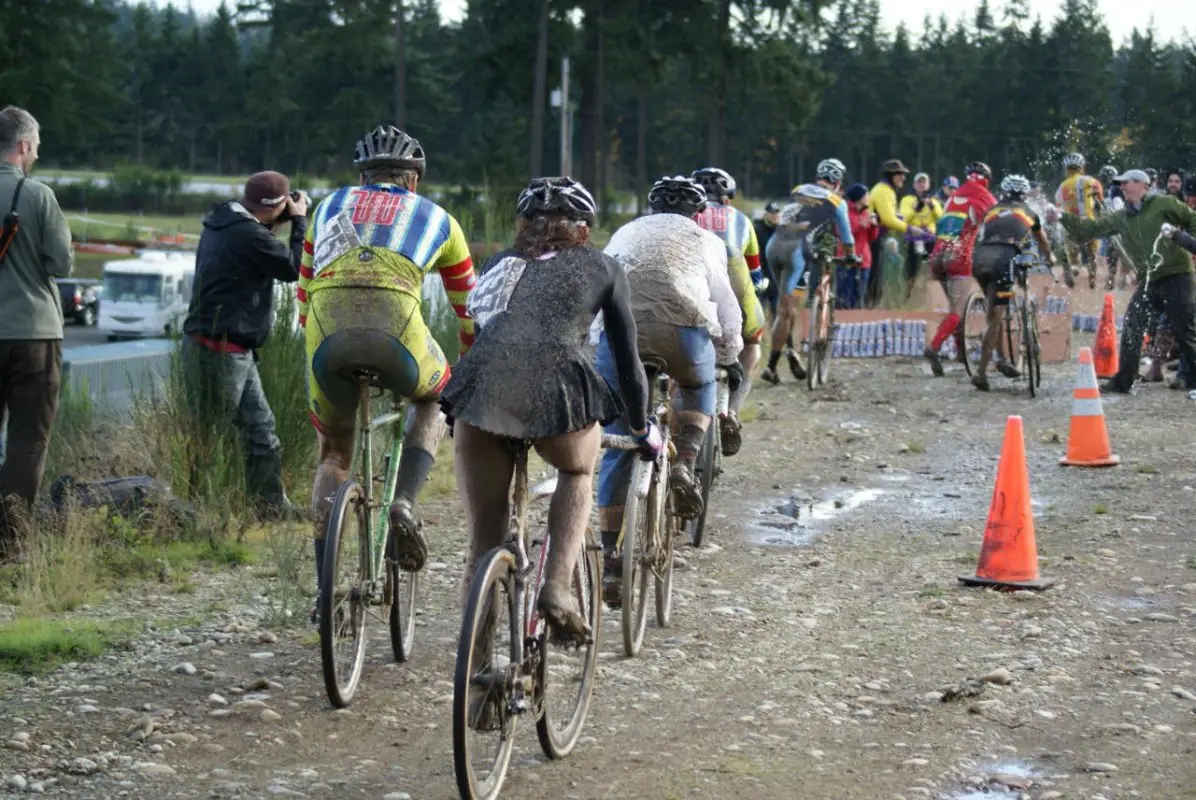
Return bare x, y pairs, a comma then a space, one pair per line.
921, 211
893, 229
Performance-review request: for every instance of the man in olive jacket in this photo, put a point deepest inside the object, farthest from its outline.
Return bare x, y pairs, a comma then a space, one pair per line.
1165, 275
30, 320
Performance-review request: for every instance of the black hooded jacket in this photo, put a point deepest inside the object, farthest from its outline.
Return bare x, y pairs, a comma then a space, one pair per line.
236, 266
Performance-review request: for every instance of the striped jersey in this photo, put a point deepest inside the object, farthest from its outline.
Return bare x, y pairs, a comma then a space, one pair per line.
736, 230
391, 217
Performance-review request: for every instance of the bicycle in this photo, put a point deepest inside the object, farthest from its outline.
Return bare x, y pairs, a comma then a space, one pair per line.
355, 583
649, 524
506, 661
1020, 322
822, 320
710, 462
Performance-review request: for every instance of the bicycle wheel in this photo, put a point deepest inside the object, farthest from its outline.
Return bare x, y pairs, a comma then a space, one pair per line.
635, 575
704, 471
345, 596
826, 324
665, 528
974, 326
814, 362
483, 718
402, 588
566, 675
1033, 366
1013, 335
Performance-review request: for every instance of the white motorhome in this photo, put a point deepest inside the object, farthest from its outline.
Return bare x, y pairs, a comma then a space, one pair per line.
146, 296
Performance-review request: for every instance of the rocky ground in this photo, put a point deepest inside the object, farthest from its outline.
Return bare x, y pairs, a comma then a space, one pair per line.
821, 646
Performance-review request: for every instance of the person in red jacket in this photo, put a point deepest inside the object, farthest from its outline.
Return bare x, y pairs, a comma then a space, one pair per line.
951, 261
864, 228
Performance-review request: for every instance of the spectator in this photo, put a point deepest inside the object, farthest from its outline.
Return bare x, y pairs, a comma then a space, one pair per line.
886, 249
950, 184
231, 314
30, 320
1174, 182
766, 226
851, 281
921, 211
1165, 284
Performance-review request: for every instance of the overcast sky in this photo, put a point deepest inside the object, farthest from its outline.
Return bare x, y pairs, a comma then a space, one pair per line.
1173, 19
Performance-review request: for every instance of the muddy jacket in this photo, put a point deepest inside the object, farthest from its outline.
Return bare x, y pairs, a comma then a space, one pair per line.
1138, 229
236, 266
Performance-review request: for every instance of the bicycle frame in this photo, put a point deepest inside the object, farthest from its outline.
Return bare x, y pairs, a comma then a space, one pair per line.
378, 523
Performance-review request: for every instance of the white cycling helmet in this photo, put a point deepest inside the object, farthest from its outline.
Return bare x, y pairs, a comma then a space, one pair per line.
718, 183
831, 169
1073, 161
1015, 184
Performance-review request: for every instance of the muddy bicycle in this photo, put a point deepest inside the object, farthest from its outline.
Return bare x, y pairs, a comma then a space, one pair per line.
710, 462
361, 577
822, 318
1019, 338
507, 665
649, 524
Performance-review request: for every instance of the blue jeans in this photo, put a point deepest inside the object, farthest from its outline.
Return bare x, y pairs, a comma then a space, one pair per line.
847, 286
689, 354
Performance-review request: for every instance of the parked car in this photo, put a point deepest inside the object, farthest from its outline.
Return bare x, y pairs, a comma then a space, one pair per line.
80, 299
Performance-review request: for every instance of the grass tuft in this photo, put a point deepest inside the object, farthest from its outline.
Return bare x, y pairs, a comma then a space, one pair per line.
31, 646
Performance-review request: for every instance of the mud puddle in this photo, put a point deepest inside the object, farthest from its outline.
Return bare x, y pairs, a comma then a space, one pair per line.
789, 523
1006, 780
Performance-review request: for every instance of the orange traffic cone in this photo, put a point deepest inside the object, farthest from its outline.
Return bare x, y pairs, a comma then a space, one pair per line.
1088, 440
1009, 555
1106, 341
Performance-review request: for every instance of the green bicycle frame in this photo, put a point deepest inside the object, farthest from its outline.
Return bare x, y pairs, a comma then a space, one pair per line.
379, 523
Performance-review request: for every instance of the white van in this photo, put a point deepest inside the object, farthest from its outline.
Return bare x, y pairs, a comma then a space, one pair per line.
146, 296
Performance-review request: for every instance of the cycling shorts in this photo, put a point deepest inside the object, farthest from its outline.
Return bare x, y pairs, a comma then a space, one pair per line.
367, 328
990, 267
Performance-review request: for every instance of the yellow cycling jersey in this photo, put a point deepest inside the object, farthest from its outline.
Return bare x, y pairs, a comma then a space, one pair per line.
1080, 194
733, 227
422, 233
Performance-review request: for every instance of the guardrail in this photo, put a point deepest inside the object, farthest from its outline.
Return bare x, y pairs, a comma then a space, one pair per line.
115, 376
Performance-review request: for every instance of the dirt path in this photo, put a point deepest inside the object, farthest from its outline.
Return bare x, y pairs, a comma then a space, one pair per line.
807, 658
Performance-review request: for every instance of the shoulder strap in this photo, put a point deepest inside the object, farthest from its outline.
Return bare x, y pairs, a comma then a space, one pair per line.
12, 222
16, 195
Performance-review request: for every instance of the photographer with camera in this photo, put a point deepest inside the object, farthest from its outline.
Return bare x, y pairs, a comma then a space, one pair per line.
231, 315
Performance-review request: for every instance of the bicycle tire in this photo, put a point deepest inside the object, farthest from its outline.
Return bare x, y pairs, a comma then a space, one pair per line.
974, 314
340, 683
664, 583
495, 572
824, 340
403, 590
1030, 343
704, 469
1013, 335
635, 576
813, 352
558, 742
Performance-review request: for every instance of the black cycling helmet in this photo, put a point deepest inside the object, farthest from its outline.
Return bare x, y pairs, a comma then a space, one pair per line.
771, 208
386, 145
676, 195
979, 168
1153, 174
557, 196
718, 183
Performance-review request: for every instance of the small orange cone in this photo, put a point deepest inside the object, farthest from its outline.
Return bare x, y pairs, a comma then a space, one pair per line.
1088, 440
1107, 360
1009, 555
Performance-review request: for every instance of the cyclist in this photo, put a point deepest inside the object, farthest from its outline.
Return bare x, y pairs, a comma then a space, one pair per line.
530, 378
364, 260
1007, 227
1109, 246
814, 207
921, 211
1083, 196
951, 261
687, 316
767, 288
743, 260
